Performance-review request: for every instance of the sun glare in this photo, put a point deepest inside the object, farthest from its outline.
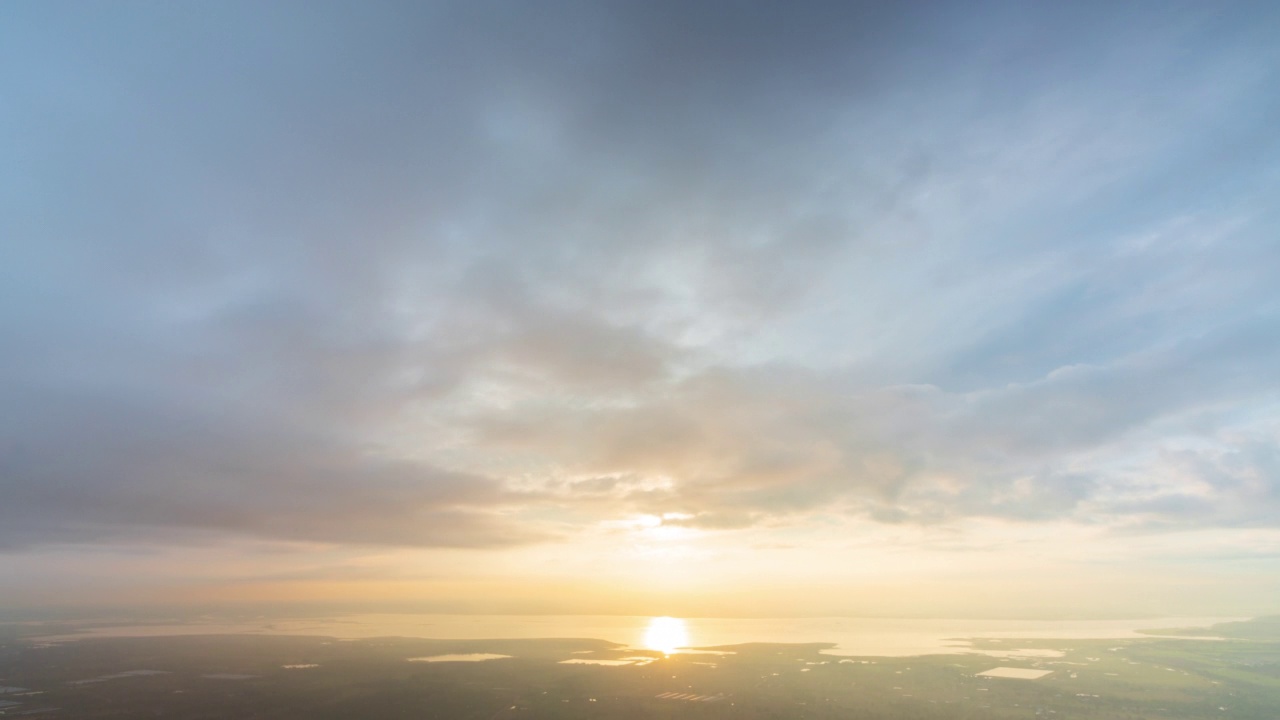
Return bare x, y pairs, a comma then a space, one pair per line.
666, 635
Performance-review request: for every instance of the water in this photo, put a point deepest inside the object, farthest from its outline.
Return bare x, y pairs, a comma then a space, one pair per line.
462, 657
886, 637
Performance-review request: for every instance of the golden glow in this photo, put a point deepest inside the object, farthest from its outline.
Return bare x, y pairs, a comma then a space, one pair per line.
666, 635
648, 521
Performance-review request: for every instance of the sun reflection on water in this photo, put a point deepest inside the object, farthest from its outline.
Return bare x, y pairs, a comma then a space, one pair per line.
666, 635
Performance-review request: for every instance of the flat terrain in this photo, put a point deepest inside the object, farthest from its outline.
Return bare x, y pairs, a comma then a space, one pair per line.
246, 677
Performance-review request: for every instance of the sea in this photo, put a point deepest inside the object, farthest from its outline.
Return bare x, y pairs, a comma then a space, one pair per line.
883, 637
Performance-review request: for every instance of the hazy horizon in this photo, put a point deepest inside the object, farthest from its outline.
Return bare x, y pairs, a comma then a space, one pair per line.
144, 614
699, 309
886, 637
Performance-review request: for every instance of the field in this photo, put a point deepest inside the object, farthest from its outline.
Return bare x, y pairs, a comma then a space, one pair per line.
239, 676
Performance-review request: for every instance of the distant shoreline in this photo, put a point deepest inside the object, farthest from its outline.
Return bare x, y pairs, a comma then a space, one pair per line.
851, 637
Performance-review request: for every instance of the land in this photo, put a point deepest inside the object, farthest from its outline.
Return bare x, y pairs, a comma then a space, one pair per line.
260, 676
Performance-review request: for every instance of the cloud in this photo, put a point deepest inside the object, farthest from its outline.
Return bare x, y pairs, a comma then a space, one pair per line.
767, 442
429, 276
82, 469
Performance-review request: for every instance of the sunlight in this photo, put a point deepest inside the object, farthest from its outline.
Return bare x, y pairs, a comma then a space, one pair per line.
666, 635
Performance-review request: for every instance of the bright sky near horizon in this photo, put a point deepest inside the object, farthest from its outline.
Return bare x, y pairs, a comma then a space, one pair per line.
650, 307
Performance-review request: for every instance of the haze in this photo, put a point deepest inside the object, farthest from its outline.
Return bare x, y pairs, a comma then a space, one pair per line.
652, 308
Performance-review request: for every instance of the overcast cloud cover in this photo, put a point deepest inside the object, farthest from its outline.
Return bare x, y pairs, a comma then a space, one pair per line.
491, 274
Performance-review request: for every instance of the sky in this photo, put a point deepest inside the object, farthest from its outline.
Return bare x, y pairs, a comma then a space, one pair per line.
654, 307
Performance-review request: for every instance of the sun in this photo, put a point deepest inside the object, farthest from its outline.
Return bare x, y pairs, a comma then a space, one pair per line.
666, 635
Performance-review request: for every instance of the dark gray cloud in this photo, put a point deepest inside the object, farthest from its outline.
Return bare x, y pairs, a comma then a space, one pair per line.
387, 273
85, 467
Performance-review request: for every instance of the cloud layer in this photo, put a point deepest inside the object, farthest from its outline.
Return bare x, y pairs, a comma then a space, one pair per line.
479, 275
